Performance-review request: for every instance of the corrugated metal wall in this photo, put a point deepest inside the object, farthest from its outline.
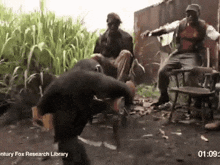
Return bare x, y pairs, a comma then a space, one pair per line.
148, 51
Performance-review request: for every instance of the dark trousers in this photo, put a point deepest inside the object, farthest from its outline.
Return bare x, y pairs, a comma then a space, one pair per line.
177, 61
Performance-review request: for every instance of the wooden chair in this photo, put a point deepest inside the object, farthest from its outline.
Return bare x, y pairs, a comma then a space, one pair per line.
207, 78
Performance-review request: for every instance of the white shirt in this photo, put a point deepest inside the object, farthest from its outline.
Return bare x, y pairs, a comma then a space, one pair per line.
210, 31
166, 39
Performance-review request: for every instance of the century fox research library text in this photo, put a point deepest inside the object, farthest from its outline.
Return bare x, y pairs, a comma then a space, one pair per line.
27, 153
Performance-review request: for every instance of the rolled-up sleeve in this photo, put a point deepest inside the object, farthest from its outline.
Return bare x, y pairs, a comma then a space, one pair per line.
212, 33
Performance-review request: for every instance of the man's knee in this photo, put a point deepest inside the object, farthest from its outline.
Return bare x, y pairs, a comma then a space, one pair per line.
125, 53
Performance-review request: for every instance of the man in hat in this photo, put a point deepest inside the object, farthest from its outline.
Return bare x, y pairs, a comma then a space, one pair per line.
116, 46
190, 34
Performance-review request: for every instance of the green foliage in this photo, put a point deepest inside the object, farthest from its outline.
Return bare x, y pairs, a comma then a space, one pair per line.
147, 91
40, 41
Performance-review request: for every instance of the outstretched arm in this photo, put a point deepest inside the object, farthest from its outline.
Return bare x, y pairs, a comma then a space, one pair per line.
156, 32
162, 30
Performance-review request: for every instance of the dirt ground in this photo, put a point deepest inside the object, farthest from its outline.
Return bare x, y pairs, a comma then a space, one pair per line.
144, 141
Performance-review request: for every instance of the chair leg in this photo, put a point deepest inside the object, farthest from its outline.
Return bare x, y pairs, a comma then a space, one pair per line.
189, 103
219, 101
173, 106
203, 111
211, 108
212, 114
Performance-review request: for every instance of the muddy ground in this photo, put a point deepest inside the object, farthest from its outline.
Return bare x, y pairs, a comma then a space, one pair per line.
144, 141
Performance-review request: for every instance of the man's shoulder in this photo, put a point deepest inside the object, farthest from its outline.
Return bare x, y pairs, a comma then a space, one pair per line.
121, 33
124, 33
203, 22
105, 33
183, 21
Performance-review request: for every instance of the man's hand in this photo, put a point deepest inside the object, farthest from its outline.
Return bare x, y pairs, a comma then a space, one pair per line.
145, 34
156, 32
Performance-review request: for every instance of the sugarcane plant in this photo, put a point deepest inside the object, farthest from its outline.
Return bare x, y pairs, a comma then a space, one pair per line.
38, 42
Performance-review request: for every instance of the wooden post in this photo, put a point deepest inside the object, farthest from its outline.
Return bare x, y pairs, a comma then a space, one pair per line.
208, 57
217, 44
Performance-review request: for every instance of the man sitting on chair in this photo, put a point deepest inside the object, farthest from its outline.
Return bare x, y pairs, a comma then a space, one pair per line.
190, 34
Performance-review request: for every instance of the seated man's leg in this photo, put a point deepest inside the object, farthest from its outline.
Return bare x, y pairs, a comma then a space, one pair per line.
123, 64
107, 65
189, 61
172, 62
137, 72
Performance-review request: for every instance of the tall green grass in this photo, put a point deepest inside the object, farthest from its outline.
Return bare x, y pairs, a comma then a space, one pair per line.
37, 42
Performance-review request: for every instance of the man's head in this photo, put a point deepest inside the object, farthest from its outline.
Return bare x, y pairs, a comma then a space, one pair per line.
113, 22
193, 13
